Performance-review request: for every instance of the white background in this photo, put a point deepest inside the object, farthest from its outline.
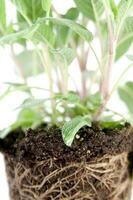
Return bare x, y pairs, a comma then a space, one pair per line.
7, 75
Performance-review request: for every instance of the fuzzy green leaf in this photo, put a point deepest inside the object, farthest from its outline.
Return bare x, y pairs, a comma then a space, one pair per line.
112, 124
90, 8
27, 118
126, 38
70, 129
77, 28
94, 102
45, 34
71, 97
125, 27
2, 15
114, 8
30, 32
29, 10
66, 55
29, 62
125, 8
28, 103
6, 93
22, 6
64, 32
46, 5
14, 37
72, 14
126, 95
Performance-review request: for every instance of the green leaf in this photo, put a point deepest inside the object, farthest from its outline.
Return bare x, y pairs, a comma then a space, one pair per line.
90, 8
93, 9
77, 28
45, 34
6, 93
72, 14
31, 102
125, 8
29, 61
70, 129
126, 95
27, 118
22, 6
2, 15
114, 8
64, 32
22, 87
126, 38
71, 97
66, 55
29, 10
93, 102
14, 37
112, 124
46, 5
30, 32
12, 87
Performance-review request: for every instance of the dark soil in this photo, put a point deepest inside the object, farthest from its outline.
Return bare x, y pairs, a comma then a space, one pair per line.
46, 142
33, 155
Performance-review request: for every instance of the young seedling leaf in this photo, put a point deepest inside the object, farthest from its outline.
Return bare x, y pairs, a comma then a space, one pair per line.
13, 37
6, 93
28, 11
29, 61
65, 33
72, 97
45, 34
29, 103
114, 8
46, 5
70, 129
125, 8
27, 118
2, 16
77, 28
112, 124
94, 102
72, 14
126, 38
90, 8
28, 33
65, 55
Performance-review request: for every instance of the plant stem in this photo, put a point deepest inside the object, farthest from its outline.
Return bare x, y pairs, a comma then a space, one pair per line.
47, 66
82, 60
105, 83
45, 59
58, 81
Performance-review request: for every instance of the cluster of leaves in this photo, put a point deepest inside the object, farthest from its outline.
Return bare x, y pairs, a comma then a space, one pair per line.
57, 39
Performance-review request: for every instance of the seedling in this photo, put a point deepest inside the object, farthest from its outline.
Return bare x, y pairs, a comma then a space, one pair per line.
50, 42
